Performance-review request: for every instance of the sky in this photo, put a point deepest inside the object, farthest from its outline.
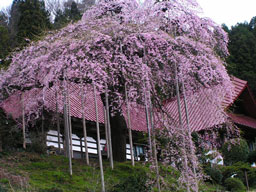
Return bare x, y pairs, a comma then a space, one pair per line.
5, 3
221, 11
229, 11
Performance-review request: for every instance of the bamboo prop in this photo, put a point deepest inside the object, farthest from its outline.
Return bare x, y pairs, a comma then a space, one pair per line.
98, 139
66, 126
106, 130
154, 144
84, 129
67, 136
58, 121
148, 120
180, 120
189, 134
147, 112
109, 129
129, 124
23, 122
70, 124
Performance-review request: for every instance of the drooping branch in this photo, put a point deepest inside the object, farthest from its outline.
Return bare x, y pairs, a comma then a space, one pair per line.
119, 42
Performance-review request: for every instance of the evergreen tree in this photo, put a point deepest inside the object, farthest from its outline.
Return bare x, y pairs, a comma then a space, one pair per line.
74, 12
242, 48
70, 13
4, 44
61, 19
225, 27
85, 4
13, 22
27, 20
34, 19
3, 19
4, 39
252, 23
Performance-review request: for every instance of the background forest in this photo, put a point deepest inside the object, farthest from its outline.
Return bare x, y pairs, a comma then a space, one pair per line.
27, 20
242, 49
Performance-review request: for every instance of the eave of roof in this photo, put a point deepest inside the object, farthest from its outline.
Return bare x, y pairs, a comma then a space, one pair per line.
239, 86
243, 120
202, 112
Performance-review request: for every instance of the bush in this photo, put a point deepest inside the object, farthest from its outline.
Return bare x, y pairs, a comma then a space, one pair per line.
252, 157
132, 183
215, 174
237, 169
235, 151
2, 189
234, 184
38, 143
4, 181
135, 181
251, 177
4, 153
54, 189
10, 133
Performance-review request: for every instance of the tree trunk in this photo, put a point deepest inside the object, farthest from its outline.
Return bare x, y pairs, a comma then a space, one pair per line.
118, 130
246, 179
118, 134
129, 125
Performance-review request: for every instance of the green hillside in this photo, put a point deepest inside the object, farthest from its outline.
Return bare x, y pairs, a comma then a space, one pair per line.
23, 171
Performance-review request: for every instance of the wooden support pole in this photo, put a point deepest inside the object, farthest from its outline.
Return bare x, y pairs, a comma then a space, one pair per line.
129, 124
23, 122
190, 137
67, 136
154, 144
109, 128
66, 125
148, 121
58, 130
147, 110
106, 130
58, 121
98, 139
84, 129
70, 124
181, 124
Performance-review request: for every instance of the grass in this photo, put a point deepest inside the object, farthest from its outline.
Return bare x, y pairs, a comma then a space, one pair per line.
49, 173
